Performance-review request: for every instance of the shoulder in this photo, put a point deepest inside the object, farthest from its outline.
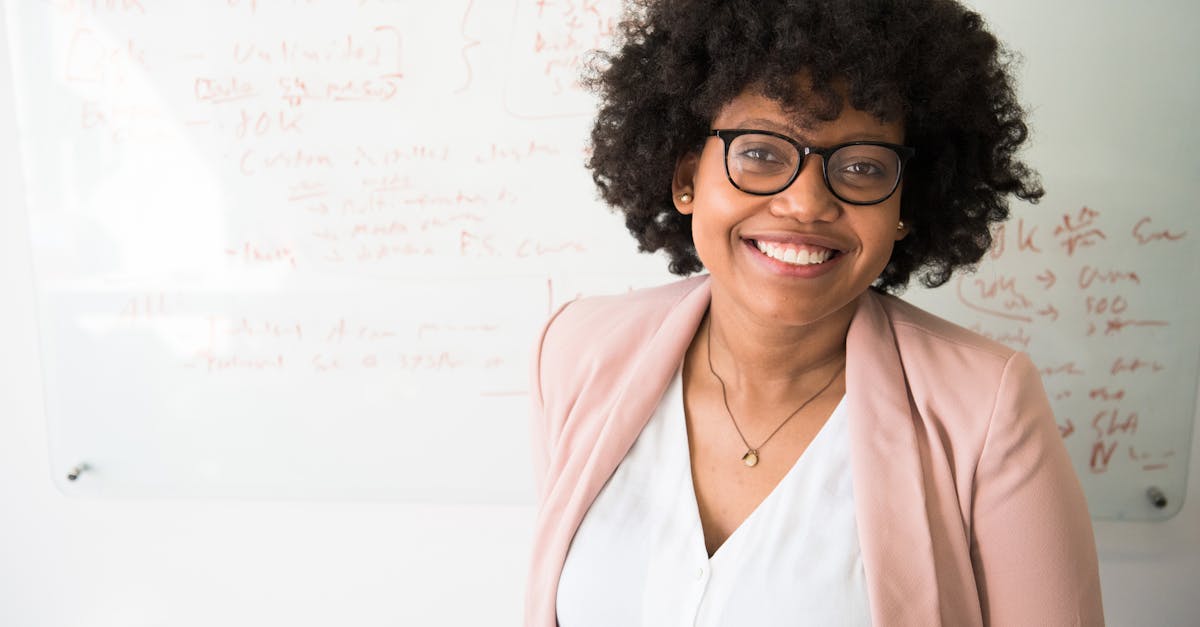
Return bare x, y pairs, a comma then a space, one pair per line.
935, 343
920, 326
957, 377
602, 324
590, 342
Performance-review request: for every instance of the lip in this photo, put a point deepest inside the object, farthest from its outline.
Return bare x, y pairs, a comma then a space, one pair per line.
797, 239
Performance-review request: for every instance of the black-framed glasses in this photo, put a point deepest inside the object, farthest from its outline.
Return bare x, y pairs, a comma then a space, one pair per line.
763, 163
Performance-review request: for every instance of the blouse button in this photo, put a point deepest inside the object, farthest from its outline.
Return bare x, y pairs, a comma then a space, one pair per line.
699, 574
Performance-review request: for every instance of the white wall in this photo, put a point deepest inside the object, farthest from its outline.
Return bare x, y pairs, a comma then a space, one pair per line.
72, 562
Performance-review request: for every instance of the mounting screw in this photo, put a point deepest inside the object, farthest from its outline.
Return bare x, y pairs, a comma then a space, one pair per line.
76, 471
1156, 497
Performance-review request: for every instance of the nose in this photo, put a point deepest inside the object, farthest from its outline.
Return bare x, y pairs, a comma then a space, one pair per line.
807, 199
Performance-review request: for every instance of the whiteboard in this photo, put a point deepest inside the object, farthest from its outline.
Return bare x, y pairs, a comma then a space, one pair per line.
300, 248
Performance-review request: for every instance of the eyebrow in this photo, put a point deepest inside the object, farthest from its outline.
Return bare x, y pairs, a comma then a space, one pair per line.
799, 135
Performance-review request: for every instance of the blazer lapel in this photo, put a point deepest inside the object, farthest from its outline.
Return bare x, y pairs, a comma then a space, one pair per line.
889, 483
640, 393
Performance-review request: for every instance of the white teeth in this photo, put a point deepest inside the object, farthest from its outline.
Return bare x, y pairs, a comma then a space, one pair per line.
796, 257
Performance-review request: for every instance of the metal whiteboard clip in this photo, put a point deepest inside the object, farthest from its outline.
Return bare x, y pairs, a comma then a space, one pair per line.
76, 471
1156, 497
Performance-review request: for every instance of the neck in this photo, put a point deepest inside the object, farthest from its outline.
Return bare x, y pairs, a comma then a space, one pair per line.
770, 360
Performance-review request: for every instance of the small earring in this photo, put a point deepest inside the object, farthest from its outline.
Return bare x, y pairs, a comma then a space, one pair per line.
685, 198
900, 226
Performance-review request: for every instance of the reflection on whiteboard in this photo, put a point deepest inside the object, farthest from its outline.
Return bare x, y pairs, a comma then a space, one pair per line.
297, 249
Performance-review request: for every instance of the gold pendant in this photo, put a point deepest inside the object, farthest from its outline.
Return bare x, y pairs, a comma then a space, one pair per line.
750, 458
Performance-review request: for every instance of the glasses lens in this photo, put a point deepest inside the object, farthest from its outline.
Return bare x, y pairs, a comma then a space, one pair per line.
761, 164
863, 173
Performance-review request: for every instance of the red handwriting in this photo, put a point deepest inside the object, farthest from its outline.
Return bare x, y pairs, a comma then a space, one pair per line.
1003, 292
1068, 368
1134, 365
1089, 275
468, 44
306, 189
429, 361
261, 123
212, 363
1101, 455
1025, 242
296, 90
245, 327
361, 332
1105, 394
386, 183
515, 154
1015, 338
219, 91
1065, 431
252, 253
579, 27
387, 251
1079, 231
1144, 236
537, 248
342, 50
1139, 457
473, 245
1117, 325
1110, 422
1012, 338
117, 117
1046, 277
396, 155
387, 200
1102, 305
251, 162
1049, 311
379, 229
90, 59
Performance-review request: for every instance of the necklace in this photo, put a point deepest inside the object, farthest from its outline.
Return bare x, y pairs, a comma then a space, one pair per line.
751, 456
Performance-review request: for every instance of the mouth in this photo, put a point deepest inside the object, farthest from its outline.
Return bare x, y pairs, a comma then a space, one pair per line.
793, 254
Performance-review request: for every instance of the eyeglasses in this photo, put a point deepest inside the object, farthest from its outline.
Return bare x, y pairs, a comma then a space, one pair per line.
859, 173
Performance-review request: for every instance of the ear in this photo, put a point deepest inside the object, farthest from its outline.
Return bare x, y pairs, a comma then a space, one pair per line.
902, 230
683, 182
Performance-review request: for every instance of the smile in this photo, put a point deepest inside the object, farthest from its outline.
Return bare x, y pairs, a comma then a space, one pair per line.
796, 255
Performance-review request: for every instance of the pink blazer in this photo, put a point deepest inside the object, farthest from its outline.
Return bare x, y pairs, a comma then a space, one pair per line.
969, 511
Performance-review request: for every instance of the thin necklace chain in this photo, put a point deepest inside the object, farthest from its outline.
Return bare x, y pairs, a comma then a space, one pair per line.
751, 456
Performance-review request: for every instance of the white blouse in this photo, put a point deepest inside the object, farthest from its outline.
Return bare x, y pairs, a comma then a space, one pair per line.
638, 557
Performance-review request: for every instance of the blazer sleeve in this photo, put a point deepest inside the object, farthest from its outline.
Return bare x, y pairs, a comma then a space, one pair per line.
541, 427
1032, 547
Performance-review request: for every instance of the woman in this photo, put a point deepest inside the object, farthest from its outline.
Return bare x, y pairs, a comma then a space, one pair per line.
780, 442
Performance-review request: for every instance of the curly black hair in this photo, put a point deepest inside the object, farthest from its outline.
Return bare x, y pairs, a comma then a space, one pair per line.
930, 63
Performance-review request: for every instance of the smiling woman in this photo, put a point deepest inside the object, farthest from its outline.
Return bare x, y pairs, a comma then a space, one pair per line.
780, 441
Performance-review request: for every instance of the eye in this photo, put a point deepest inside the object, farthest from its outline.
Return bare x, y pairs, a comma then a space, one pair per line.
761, 153
864, 164
862, 168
